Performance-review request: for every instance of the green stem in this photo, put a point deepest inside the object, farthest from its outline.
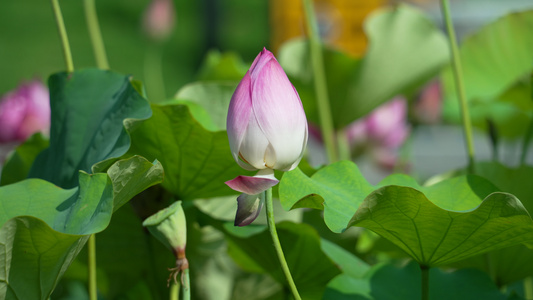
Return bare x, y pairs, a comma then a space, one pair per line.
458, 77
91, 248
425, 282
528, 288
153, 73
277, 245
95, 34
186, 286
528, 136
526, 143
343, 145
174, 293
63, 35
321, 89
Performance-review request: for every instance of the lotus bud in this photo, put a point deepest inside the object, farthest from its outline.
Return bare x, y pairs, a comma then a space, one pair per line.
170, 228
159, 19
267, 131
24, 112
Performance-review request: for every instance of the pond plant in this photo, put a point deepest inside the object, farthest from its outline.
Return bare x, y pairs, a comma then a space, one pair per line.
116, 197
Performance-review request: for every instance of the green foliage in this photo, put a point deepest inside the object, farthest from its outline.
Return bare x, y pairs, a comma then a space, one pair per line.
212, 97
466, 214
88, 111
45, 227
385, 281
19, 163
496, 61
311, 269
405, 51
197, 162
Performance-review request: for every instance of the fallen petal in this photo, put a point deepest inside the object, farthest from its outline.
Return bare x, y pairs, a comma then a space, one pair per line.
248, 208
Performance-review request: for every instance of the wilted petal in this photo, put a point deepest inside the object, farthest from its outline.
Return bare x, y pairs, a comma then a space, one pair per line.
253, 184
248, 208
279, 113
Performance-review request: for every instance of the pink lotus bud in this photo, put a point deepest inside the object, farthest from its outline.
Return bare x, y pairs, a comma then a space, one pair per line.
267, 130
159, 19
24, 112
267, 127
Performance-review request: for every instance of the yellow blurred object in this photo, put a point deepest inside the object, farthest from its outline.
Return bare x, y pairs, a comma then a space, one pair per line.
340, 22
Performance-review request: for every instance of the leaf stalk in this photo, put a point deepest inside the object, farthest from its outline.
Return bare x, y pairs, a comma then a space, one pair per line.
63, 35
319, 76
459, 84
95, 34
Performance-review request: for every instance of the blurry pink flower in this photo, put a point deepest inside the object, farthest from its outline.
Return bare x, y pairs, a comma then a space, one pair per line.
24, 112
383, 131
159, 19
387, 125
267, 131
428, 107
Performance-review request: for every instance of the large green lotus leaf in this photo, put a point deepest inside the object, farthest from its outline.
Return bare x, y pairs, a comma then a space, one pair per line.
340, 189
19, 163
385, 281
213, 97
197, 162
494, 61
311, 269
512, 263
44, 228
88, 111
448, 221
434, 236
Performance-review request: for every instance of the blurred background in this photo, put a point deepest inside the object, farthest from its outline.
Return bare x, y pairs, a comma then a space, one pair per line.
154, 40
30, 45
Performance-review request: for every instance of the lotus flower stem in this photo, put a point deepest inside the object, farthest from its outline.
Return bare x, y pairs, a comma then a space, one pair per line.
277, 245
528, 287
459, 86
344, 147
91, 248
153, 73
174, 293
528, 136
527, 141
186, 285
95, 34
63, 35
321, 89
425, 282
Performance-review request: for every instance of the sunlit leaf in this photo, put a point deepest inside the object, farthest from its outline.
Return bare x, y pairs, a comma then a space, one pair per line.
442, 223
